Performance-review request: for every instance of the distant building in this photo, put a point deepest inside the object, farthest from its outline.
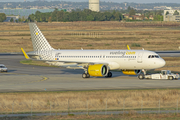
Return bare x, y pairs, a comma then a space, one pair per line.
151, 17
126, 16
94, 5
133, 17
8, 18
170, 16
137, 17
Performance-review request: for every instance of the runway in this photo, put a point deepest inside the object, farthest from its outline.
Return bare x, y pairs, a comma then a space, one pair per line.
38, 78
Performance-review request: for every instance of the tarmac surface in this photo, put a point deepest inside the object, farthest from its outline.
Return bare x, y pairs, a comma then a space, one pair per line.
38, 78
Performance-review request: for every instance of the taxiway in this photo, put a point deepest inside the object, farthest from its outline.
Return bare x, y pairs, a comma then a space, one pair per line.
39, 78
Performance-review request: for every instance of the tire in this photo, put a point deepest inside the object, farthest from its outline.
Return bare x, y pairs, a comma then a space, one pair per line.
141, 76
109, 75
171, 78
84, 75
87, 76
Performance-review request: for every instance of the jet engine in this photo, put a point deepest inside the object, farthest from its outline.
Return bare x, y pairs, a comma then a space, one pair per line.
131, 72
98, 70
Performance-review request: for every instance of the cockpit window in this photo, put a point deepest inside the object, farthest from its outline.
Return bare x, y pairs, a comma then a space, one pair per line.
156, 56
153, 56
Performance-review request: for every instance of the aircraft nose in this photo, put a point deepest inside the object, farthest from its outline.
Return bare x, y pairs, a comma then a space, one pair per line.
161, 63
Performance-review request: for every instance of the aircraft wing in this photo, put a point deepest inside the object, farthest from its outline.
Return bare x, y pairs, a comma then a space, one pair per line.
74, 64
67, 64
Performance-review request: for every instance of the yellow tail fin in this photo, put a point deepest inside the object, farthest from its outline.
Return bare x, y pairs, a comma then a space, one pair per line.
25, 55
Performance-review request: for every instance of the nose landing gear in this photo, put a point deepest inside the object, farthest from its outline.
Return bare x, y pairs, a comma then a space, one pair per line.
142, 75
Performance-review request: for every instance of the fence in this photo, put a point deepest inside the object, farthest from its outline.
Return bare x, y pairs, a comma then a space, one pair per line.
86, 106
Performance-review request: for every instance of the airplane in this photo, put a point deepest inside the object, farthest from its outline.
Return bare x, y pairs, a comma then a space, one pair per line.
97, 63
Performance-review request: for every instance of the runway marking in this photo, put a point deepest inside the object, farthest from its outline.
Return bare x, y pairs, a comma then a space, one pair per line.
3, 73
44, 79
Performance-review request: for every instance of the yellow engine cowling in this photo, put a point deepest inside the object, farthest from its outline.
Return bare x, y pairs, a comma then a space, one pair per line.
98, 70
131, 72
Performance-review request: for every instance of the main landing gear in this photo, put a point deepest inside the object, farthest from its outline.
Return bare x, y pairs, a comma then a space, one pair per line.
109, 75
85, 75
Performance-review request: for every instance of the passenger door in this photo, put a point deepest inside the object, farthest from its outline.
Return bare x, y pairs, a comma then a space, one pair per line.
139, 59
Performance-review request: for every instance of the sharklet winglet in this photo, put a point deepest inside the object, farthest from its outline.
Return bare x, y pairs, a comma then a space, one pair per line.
25, 55
128, 47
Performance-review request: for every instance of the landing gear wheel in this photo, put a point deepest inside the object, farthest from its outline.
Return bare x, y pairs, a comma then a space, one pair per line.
141, 76
87, 76
109, 74
84, 75
171, 78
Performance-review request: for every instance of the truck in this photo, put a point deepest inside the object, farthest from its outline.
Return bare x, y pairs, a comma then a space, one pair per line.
165, 74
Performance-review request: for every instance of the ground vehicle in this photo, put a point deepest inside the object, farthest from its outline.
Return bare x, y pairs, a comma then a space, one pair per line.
165, 74
3, 68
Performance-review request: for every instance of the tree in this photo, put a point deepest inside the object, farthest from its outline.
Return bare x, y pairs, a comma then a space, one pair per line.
2, 17
132, 12
11, 20
158, 13
49, 19
23, 19
38, 16
176, 13
129, 8
118, 16
20, 20
31, 18
108, 16
142, 17
158, 18
54, 15
167, 12
60, 15
90, 18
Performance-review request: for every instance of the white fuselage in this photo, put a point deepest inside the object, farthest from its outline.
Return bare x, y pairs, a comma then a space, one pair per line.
115, 59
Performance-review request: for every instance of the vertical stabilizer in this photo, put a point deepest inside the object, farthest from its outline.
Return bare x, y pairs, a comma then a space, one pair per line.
38, 40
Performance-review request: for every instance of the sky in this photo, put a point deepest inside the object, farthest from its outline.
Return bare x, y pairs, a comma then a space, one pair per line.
120, 1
